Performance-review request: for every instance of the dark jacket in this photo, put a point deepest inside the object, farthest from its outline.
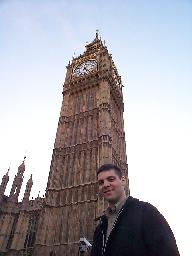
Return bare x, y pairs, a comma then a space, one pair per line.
139, 230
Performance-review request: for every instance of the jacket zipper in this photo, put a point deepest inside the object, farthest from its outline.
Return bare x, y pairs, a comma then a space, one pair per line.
105, 242
103, 237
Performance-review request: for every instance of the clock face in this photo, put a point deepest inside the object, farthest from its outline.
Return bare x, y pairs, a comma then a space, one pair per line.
85, 68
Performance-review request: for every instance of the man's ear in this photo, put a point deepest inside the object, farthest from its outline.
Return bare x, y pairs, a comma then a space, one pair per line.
123, 179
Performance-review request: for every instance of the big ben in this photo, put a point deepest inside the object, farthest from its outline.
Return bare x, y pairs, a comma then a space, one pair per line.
90, 133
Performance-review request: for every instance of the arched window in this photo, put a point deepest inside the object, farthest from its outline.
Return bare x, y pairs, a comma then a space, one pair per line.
31, 232
12, 232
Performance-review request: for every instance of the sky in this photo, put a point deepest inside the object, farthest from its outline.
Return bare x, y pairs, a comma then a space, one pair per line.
151, 44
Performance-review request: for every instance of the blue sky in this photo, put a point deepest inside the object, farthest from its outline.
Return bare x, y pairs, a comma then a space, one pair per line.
151, 44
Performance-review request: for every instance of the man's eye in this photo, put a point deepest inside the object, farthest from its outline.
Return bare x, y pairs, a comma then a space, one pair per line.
111, 179
100, 182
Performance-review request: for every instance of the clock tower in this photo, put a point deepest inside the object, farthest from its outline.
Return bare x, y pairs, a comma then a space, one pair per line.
90, 133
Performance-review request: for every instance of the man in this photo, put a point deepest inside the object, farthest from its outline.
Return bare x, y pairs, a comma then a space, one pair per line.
129, 227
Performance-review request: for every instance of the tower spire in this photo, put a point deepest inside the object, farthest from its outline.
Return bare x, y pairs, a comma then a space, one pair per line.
17, 183
28, 189
3, 184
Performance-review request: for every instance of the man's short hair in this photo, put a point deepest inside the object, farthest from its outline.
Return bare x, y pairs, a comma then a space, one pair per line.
108, 167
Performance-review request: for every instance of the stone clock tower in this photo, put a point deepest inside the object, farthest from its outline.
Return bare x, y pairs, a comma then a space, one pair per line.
90, 132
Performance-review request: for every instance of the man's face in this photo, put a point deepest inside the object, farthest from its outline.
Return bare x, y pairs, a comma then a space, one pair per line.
111, 186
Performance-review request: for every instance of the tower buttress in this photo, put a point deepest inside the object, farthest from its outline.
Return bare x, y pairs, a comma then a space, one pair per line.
17, 183
28, 189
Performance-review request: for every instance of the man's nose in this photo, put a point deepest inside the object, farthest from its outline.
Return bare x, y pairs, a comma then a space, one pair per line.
106, 183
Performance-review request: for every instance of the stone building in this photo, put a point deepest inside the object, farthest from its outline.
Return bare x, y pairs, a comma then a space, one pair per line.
90, 132
18, 220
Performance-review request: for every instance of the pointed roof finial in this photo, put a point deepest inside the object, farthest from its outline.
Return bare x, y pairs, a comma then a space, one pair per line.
8, 171
21, 167
24, 159
30, 180
97, 33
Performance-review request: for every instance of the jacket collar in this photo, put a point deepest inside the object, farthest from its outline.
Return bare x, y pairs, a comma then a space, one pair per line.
109, 211
129, 200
